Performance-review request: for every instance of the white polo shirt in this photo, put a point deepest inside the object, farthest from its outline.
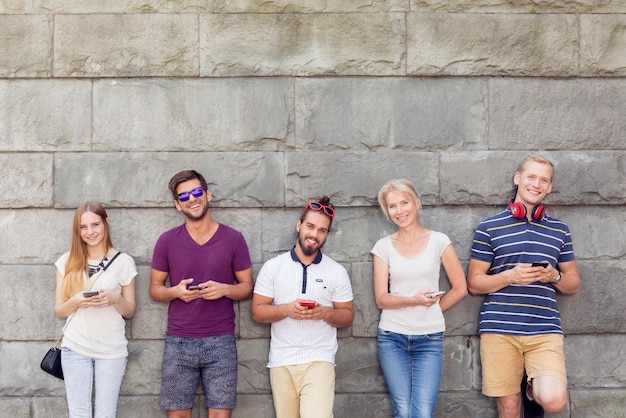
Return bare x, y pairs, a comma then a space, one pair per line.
284, 278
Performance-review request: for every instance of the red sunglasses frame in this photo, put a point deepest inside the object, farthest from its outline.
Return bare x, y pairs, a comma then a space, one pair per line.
328, 210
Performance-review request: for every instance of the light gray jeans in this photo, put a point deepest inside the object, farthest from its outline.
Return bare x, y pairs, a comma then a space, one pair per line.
80, 373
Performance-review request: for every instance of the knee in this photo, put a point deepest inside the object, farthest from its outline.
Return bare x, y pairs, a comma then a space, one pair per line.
552, 397
554, 403
509, 406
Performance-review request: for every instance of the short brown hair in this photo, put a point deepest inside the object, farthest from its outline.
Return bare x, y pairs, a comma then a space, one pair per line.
184, 176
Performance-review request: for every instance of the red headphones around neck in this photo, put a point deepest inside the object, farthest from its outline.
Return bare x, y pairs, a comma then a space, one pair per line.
518, 210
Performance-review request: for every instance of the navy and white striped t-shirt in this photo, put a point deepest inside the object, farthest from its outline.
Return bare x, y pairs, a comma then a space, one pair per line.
505, 241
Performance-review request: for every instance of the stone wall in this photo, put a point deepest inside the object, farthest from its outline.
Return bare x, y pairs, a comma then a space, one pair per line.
276, 102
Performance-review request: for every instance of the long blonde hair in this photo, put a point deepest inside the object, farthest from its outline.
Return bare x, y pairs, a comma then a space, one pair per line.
76, 267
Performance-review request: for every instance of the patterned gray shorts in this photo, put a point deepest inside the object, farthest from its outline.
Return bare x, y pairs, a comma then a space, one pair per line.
186, 360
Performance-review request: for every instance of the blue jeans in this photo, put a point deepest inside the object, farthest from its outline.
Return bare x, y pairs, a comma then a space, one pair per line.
412, 367
80, 373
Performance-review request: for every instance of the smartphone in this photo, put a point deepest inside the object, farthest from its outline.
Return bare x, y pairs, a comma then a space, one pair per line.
309, 304
193, 287
90, 294
435, 294
542, 264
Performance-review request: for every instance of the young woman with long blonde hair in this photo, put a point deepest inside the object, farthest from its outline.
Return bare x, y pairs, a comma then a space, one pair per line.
95, 292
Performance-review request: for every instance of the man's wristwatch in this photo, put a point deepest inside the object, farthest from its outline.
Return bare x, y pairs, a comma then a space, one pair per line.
558, 279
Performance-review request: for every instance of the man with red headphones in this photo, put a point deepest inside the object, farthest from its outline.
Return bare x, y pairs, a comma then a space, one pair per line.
520, 258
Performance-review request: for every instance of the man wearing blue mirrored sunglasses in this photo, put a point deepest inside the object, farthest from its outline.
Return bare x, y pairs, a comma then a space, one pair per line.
209, 267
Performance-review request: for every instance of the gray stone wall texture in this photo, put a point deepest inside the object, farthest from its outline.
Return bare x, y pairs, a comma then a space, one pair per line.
280, 101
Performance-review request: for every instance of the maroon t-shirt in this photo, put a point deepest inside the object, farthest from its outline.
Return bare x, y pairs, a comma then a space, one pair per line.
218, 259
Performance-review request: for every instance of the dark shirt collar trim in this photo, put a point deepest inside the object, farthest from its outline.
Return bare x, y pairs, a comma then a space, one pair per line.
294, 257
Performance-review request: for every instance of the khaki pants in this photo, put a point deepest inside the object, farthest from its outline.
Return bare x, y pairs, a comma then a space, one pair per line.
304, 390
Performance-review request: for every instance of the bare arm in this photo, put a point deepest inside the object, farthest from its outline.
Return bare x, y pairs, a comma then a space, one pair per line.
480, 283
265, 312
456, 276
159, 292
339, 316
570, 278
64, 308
126, 304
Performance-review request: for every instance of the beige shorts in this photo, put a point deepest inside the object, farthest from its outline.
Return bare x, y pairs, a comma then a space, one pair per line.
504, 358
304, 390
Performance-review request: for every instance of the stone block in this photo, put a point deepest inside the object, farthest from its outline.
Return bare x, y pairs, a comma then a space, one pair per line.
143, 372
41, 407
544, 114
26, 45
358, 369
490, 44
466, 404
258, 406
28, 183
530, 6
478, 177
252, 374
123, 6
354, 178
45, 115
118, 45
602, 40
597, 232
370, 405
598, 404
15, 407
190, 115
407, 114
457, 361
595, 361
302, 44
487, 177
34, 236
28, 313
366, 313
142, 407
150, 320
248, 327
249, 179
597, 308
312, 6
26, 377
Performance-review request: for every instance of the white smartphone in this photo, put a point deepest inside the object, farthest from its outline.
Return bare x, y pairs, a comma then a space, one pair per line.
435, 294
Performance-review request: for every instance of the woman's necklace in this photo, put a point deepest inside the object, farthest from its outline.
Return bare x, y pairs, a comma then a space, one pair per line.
93, 269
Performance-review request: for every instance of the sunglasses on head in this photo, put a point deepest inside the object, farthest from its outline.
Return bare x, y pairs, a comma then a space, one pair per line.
185, 196
317, 206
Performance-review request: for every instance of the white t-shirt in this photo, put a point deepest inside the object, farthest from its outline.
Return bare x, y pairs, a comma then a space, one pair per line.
100, 332
301, 342
408, 277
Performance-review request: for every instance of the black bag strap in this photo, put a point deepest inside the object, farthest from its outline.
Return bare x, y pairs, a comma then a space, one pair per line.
112, 260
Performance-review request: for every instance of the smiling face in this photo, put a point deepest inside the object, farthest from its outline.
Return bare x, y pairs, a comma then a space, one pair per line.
92, 229
312, 232
196, 207
534, 182
401, 209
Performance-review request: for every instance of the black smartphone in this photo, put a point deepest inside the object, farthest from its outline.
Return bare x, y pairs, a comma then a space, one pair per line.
193, 287
542, 264
90, 294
